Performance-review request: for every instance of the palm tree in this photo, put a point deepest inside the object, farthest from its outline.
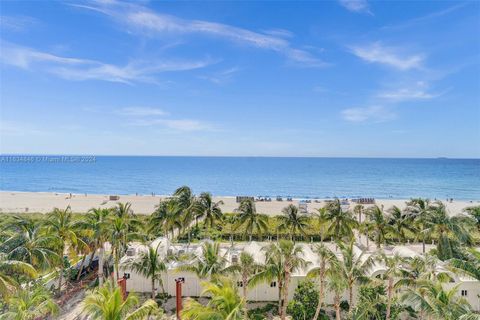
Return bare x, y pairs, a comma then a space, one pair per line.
186, 201
337, 284
282, 259
449, 230
394, 269
225, 303
469, 264
341, 222
60, 224
433, 300
28, 242
379, 224
246, 268
107, 303
251, 219
208, 209
30, 304
167, 217
328, 260
98, 222
354, 267
323, 222
149, 264
209, 264
123, 209
420, 208
123, 227
292, 221
8, 268
358, 210
399, 223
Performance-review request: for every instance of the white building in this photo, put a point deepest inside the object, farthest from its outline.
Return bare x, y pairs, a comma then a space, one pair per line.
469, 288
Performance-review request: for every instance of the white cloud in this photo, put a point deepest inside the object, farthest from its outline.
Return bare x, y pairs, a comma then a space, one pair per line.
175, 124
370, 114
356, 5
221, 77
418, 91
147, 21
141, 112
85, 69
151, 117
378, 53
16, 23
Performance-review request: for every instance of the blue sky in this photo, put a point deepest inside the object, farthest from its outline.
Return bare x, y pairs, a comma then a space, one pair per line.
326, 78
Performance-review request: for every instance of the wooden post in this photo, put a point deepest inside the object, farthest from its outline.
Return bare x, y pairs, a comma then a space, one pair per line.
178, 295
122, 283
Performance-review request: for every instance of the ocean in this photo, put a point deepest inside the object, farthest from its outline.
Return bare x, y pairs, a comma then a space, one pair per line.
229, 176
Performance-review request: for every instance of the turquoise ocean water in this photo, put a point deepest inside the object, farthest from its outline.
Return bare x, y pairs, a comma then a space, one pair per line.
229, 176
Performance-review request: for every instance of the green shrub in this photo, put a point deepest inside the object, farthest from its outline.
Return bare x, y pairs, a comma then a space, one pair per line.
304, 302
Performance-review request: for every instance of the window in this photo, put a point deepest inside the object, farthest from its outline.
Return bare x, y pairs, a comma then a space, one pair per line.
239, 284
464, 293
273, 284
235, 259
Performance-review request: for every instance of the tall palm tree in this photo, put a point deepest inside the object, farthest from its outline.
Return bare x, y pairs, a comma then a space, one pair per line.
29, 243
328, 260
30, 304
186, 201
292, 221
9, 268
449, 230
354, 267
322, 222
167, 217
149, 264
225, 303
245, 268
252, 220
341, 222
394, 270
379, 223
123, 209
107, 303
282, 259
123, 227
60, 224
337, 284
98, 220
208, 209
432, 299
400, 222
420, 208
358, 210
209, 264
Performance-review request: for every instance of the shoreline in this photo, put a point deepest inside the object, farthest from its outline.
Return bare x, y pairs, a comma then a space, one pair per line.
43, 202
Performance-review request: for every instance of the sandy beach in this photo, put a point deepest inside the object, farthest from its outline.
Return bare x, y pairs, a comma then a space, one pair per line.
43, 202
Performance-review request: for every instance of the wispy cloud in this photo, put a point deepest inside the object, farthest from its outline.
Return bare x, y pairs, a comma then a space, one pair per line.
360, 6
85, 69
425, 18
221, 77
154, 117
368, 114
417, 91
390, 56
17, 23
146, 21
175, 124
141, 111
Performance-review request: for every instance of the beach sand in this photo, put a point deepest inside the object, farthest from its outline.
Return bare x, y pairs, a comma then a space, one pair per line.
43, 202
